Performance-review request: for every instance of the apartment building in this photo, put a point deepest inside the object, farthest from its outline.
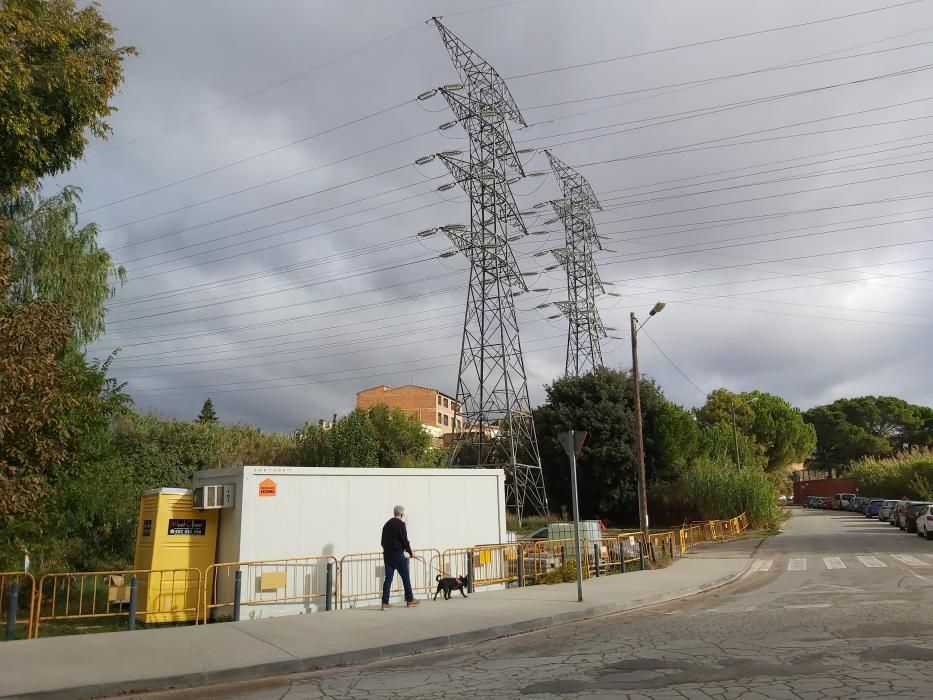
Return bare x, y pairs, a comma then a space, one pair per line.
436, 410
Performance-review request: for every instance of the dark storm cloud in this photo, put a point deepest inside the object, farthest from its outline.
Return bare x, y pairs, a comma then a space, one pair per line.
282, 314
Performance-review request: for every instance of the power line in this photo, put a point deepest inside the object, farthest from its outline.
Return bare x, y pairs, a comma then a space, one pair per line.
257, 92
391, 108
706, 42
674, 364
668, 151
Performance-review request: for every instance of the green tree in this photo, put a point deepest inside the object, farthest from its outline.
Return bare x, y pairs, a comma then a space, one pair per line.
775, 425
780, 429
55, 413
601, 403
718, 409
401, 439
377, 436
876, 426
207, 414
57, 262
59, 67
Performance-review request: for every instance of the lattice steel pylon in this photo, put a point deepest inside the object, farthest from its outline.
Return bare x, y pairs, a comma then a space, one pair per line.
495, 427
585, 328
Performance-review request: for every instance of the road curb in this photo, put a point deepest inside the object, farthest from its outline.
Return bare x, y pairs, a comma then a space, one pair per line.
368, 655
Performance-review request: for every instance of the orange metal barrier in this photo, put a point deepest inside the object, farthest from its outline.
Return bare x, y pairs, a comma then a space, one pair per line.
26, 598
163, 595
295, 581
550, 554
662, 542
361, 575
486, 564
620, 552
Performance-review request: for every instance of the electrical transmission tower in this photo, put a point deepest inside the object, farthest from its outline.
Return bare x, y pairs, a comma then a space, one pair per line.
496, 427
585, 328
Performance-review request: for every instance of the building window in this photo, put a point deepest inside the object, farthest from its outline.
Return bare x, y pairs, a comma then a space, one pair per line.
446, 420
439, 418
459, 425
446, 405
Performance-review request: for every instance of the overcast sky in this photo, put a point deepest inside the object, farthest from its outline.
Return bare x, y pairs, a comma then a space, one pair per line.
783, 214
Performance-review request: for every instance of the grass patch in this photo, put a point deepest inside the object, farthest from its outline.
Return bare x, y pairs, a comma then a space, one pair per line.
529, 523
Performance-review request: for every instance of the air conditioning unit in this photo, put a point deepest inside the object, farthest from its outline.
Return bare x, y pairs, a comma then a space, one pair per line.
213, 496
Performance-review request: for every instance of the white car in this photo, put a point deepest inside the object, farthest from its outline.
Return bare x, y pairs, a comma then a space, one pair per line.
925, 522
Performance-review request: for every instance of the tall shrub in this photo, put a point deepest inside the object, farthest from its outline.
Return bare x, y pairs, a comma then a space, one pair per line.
716, 490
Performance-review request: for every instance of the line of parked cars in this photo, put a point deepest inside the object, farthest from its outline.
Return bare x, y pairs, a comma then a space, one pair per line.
910, 516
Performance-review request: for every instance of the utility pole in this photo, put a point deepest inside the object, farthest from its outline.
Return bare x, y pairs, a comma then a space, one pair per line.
735, 437
639, 438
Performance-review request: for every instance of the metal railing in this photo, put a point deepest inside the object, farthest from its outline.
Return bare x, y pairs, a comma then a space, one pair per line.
154, 595
17, 600
305, 582
486, 565
315, 582
361, 576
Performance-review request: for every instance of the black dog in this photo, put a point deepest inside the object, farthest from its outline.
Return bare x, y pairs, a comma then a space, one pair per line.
448, 585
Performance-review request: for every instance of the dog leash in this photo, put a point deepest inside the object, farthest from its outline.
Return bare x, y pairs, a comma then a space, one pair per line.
440, 571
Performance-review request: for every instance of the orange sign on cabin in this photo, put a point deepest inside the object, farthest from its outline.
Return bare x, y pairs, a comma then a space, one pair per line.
267, 487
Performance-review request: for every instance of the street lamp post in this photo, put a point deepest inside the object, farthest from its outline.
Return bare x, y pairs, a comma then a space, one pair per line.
639, 436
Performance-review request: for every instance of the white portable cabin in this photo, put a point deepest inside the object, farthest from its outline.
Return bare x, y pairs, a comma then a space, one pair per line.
276, 513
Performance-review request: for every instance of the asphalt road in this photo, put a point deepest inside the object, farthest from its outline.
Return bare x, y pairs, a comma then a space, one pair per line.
837, 606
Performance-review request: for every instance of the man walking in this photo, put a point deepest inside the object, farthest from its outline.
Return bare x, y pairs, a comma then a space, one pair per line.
394, 545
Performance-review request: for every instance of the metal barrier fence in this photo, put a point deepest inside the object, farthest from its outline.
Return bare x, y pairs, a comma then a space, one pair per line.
620, 552
306, 582
170, 595
17, 600
153, 595
662, 542
361, 575
486, 565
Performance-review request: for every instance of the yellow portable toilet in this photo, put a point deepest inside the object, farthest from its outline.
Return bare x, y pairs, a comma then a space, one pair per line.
173, 538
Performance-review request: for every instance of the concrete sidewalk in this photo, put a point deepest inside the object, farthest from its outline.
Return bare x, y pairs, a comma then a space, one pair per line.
97, 665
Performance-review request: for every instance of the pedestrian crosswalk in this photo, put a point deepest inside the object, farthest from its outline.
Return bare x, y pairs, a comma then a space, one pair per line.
832, 563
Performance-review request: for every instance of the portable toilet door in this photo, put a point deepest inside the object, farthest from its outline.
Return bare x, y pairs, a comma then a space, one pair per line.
175, 544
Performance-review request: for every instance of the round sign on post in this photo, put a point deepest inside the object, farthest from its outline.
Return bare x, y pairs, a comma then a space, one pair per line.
572, 443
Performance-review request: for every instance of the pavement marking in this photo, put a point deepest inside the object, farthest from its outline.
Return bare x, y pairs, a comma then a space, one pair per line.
758, 565
797, 565
909, 560
883, 602
833, 563
872, 562
811, 605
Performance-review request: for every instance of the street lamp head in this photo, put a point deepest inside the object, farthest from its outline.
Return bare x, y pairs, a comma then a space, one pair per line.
658, 308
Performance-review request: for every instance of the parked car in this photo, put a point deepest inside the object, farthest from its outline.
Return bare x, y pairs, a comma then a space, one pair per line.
853, 505
858, 504
924, 522
897, 512
810, 501
873, 507
841, 501
826, 502
884, 515
912, 512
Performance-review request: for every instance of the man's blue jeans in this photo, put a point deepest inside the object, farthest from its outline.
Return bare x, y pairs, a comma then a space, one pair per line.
393, 563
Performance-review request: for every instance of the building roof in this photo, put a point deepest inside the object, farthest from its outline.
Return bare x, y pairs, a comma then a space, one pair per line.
416, 386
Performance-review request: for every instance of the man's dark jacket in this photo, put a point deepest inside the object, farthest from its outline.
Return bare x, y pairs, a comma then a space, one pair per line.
395, 538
